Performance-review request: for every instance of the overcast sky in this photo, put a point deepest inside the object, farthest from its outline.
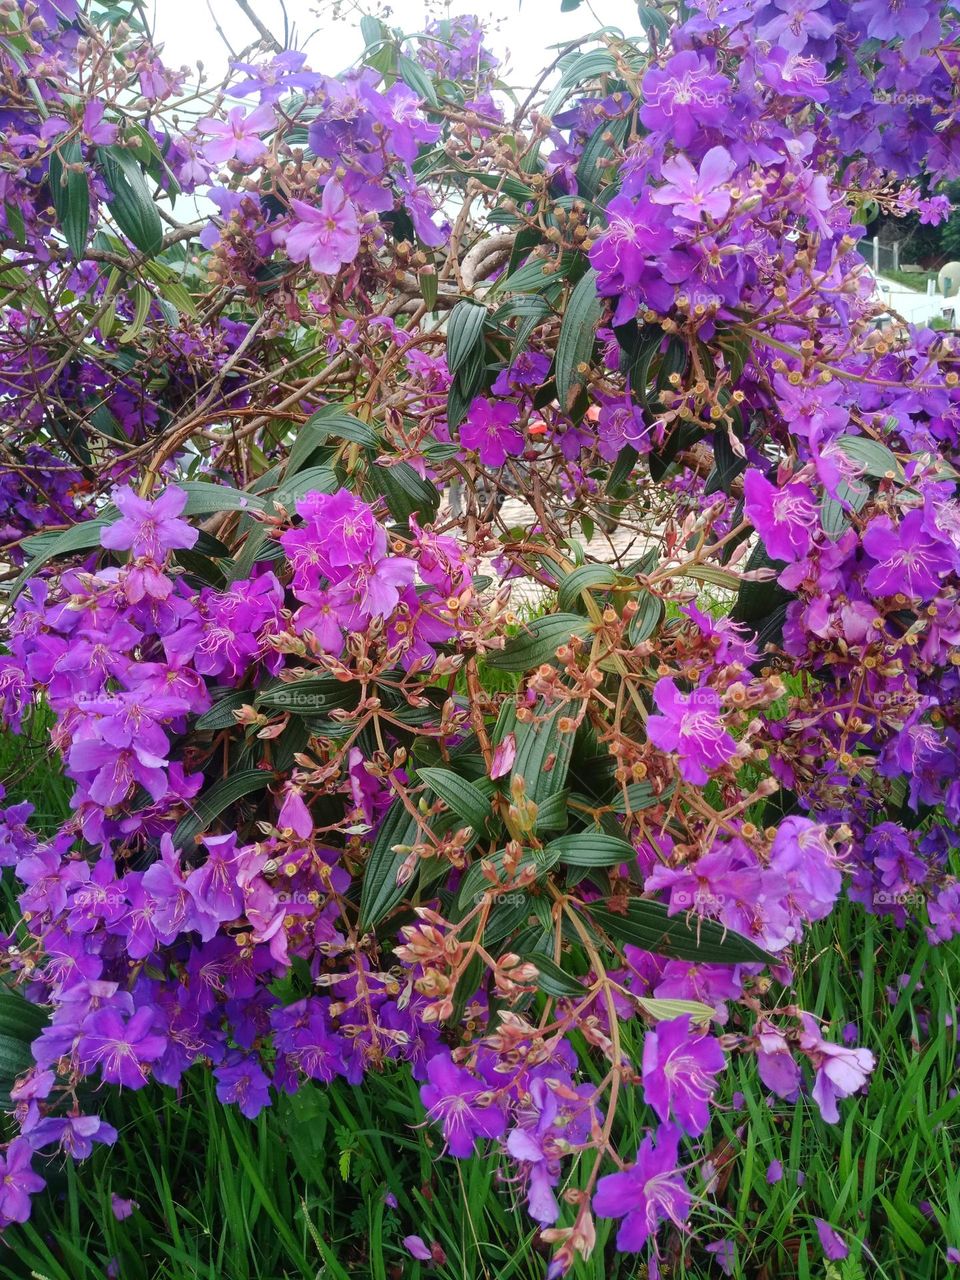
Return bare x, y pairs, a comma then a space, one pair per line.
522, 32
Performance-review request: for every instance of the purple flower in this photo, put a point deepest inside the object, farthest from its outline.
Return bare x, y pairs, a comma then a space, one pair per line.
121, 1050
678, 1073
120, 1208
684, 97
839, 1071
242, 1081
275, 77
416, 1248
784, 516
17, 1182
693, 194
832, 1244
774, 1172
328, 234
691, 726
490, 431
149, 529
237, 137
454, 1098
725, 1252
650, 1192
908, 559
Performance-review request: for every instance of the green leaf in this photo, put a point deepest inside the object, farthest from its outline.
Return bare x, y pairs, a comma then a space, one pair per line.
131, 205
648, 926
756, 600
640, 796
649, 615
465, 799
311, 480
79, 537
214, 801
588, 66
415, 78
587, 577
20, 1024
538, 642
592, 849
464, 333
70, 192
543, 754
552, 812
313, 696
329, 422
406, 491
220, 715
578, 333
667, 1010
475, 883
835, 512
142, 300
551, 978
204, 497
380, 892
602, 144
872, 457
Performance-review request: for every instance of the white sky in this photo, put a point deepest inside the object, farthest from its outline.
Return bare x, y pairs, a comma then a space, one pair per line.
523, 32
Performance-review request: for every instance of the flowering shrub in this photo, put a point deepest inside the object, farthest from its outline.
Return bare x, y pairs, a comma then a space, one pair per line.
337, 798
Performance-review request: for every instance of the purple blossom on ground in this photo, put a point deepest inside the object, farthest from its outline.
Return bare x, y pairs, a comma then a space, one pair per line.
839, 1071
833, 1245
18, 1182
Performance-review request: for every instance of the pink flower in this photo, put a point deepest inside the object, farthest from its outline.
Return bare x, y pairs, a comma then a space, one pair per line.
693, 194
237, 137
329, 235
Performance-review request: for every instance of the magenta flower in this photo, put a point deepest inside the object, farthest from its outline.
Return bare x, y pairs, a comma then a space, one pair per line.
489, 430
120, 1208
692, 194
453, 1097
691, 726
784, 516
149, 529
831, 1242
839, 1071
237, 137
908, 559
328, 234
650, 1192
17, 1182
678, 1073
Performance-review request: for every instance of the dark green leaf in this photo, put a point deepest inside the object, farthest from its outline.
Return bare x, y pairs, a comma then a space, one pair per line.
592, 849
641, 795
464, 333
649, 615
380, 892
648, 926
330, 422
543, 754
552, 979
465, 799
20, 1024
214, 801
414, 76
578, 333
131, 205
220, 715
70, 192
406, 491
475, 883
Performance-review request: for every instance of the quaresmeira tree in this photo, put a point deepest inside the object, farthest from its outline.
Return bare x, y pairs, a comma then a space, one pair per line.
337, 797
